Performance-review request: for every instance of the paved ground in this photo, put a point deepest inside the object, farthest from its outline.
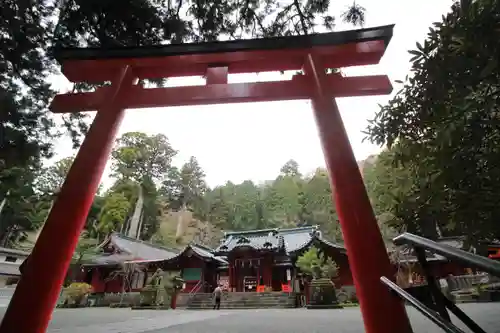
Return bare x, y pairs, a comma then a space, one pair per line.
103, 320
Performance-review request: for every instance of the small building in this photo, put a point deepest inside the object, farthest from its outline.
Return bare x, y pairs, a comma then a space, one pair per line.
127, 259
197, 265
105, 272
409, 271
10, 261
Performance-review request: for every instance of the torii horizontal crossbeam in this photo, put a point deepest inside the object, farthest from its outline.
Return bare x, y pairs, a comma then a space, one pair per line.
295, 89
335, 49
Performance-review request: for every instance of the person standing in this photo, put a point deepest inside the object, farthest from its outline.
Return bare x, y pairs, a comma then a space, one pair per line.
217, 296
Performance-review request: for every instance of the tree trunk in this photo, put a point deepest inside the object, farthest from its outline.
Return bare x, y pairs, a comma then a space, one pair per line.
141, 219
2, 204
41, 227
134, 231
180, 221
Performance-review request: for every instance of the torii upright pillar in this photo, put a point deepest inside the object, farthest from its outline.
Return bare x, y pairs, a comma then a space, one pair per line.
44, 272
366, 250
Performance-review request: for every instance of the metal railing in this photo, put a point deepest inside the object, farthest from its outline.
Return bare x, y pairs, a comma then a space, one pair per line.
463, 257
195, 290
425, 310
438, 304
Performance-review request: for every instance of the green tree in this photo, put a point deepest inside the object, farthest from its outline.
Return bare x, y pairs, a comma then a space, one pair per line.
291, 169
185, 188
315, 263
50, 179
138, 155
26, 127
393, 190
218, 210
317, 205
444, 123
114, 212
97, 23
24, 123
282, 196
138, 161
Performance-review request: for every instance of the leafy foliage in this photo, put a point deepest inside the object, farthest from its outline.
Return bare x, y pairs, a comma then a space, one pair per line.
114, 213
443, 126
103, 23
138, 156
315, 263
25, 127
184, 187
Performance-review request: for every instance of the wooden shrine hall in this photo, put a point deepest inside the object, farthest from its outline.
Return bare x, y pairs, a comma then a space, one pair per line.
117, 73
265, 259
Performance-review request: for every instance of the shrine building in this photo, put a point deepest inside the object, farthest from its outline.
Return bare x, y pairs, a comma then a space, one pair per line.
258, 260
244, 261
265, 259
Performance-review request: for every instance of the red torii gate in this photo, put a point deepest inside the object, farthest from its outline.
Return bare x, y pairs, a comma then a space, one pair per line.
37, 293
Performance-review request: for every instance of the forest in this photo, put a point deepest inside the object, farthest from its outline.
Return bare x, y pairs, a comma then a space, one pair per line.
437, 176
174, 205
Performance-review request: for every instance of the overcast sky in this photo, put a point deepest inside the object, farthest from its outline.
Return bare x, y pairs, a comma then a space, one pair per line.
252, 141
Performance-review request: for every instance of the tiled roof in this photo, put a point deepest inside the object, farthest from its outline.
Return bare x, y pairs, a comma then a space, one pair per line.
141, 249
288, 240
256, 239
109, 259
201, 251
205, 252
130, 249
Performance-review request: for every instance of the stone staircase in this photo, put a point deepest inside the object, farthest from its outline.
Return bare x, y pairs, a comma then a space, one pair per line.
241, 300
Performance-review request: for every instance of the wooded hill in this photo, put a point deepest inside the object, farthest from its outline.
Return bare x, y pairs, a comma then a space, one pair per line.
173, 206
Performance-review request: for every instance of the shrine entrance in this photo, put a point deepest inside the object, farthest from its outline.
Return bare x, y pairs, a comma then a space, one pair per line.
38, 291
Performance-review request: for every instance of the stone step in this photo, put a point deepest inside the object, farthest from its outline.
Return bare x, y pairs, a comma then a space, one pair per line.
243, 306
246, 302
240, 307
243, 301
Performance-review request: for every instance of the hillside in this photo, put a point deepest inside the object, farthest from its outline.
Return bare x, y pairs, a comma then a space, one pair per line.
192, 229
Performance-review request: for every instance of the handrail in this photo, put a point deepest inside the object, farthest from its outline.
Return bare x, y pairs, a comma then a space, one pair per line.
426, 311
466, 258
196, 287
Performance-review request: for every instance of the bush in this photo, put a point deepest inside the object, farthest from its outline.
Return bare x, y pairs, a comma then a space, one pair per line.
76, 293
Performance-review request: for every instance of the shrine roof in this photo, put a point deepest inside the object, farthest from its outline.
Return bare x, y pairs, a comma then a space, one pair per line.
286, 240
266, 239
383, 33
201, 251
127, 249
206, 252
